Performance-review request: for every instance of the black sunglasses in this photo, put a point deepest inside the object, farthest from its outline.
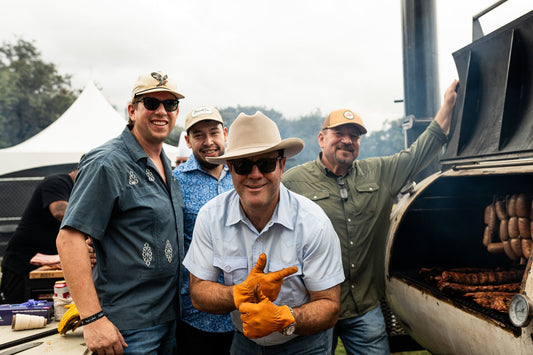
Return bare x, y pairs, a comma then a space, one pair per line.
245, 166
342, 188
152, 104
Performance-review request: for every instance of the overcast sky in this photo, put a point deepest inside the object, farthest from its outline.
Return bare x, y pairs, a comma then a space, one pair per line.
294, 56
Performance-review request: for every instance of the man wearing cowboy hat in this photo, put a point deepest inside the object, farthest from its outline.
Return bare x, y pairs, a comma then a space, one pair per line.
290, 299
126, 200
358, 198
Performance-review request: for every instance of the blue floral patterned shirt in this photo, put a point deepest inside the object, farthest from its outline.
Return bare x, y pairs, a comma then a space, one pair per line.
197, 188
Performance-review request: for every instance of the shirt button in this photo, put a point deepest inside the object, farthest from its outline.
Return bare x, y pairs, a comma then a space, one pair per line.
370, 188
353, 265
353, 286
228, 268
351, 243
349, 219
257, 240
314, 196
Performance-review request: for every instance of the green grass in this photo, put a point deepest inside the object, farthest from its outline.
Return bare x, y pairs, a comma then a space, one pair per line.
340, 351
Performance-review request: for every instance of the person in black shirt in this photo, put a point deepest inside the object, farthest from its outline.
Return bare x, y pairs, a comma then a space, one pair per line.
36, 233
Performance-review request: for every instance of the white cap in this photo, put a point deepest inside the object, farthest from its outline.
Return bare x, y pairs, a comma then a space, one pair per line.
183, 149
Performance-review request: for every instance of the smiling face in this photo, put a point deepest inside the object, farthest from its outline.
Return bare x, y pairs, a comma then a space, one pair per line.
259, 192
152, 127
340, 147
207, 139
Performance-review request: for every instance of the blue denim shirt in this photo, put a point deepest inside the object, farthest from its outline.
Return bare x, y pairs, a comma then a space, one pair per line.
136, 222
198, 187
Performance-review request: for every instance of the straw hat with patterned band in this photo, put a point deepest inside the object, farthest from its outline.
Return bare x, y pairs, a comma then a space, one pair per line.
153, 82
254, 135
344, 116
202, 113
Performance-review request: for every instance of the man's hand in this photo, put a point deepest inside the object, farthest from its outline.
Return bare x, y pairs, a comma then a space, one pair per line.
263, 318
90, 250
270, 283
444, 116
102, 337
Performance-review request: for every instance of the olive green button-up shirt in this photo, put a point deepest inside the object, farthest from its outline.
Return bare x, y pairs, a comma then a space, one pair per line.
362, 220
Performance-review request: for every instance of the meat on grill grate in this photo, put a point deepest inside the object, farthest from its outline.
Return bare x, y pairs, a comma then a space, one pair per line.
498, 301
458, 289
483, 278
490, 288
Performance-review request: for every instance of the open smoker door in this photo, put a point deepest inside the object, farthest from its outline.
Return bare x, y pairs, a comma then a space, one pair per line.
493, 115
440, 226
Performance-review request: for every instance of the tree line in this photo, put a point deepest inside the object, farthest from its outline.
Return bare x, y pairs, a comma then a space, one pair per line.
33, 95
32, 92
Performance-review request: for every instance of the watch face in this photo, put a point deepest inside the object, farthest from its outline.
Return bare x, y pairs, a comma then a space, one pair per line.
519, 311
289, 330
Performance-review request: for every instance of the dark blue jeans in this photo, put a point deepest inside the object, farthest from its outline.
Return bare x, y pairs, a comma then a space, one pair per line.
364, 335
317, 344
156, 340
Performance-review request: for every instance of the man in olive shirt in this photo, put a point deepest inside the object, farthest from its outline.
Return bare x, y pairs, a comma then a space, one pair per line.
357, 196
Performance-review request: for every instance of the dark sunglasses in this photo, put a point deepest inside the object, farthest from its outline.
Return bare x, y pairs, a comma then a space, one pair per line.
245, 166
342, 188
152, 104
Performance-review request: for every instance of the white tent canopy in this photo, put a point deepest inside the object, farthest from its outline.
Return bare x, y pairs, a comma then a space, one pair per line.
89, 122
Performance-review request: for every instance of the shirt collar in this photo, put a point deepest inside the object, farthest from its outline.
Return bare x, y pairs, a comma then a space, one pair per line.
136, 150
328, 172
192, 165
282, 213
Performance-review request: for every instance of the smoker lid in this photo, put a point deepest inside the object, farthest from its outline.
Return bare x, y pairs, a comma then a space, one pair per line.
493, 114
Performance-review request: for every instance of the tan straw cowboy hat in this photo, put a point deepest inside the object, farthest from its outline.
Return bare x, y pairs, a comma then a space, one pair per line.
255, 135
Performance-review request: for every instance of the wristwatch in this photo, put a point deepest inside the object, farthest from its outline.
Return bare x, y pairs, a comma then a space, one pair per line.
289, 330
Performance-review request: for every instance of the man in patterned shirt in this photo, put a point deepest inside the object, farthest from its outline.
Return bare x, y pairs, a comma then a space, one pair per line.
200, 181
125, 200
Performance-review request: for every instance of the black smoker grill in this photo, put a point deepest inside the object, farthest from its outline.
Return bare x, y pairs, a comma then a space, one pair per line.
441, 222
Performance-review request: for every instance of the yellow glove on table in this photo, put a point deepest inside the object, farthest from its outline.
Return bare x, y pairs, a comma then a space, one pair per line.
71, 319
270, 282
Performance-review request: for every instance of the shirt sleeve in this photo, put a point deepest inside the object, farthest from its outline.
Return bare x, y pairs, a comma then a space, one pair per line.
322, 263
404, 165
199, 258
92, 200
55, 189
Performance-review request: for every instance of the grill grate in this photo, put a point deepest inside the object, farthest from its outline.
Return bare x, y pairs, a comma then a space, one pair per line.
461, 302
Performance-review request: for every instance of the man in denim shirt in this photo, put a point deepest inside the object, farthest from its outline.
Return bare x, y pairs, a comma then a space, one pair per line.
198, 332
125, 200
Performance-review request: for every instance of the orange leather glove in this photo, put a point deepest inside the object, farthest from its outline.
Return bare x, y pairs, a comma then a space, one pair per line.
270, 283
264, 318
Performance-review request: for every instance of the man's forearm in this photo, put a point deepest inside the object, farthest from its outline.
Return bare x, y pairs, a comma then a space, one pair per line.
444, 115
211, 297
77, 271
57, 209
320, 313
